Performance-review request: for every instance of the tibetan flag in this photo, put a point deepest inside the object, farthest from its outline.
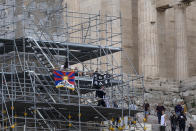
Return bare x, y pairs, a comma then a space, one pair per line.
64, 79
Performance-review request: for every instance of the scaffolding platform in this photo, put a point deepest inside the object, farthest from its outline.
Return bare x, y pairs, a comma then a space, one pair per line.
88, 112
85, 82
79, 51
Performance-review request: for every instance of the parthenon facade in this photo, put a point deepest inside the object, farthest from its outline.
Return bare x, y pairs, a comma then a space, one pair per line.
158, 35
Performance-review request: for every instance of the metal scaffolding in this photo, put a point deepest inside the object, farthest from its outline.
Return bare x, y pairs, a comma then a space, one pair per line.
35, 40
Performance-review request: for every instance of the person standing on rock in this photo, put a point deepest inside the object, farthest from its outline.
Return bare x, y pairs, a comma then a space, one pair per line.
163, 121
173, 121
184, 108
146, 109
182, 121
178, 109
159, 110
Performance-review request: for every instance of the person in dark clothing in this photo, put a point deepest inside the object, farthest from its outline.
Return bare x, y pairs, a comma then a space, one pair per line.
115, 105
182, 121
146, 109
101, 94
191, 128
115, 122
178, 109
101, 103
159, 110
173, 121
66, 64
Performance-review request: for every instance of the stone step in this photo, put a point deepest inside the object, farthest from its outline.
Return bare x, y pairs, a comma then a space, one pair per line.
155, 84
191, 79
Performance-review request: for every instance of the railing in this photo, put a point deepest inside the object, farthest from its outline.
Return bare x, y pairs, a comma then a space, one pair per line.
42, 52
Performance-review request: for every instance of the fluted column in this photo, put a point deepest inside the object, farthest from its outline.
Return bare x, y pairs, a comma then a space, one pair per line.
181, 42
148, 43
161, 24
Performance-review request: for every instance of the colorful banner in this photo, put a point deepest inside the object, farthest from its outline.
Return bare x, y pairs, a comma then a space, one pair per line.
64, 79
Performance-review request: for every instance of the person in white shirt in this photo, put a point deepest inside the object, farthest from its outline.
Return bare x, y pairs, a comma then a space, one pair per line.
62, 67
163, 121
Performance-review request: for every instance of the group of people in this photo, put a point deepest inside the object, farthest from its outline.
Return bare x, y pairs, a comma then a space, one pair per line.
177, 118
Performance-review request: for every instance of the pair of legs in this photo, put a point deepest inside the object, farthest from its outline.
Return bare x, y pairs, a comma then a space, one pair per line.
115, 122
182, 128
173, 128
162, 128
159, 117
146, 115
101, 103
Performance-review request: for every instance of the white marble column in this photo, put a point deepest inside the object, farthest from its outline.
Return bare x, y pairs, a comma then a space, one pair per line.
181, 42
148, 43
161, 28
